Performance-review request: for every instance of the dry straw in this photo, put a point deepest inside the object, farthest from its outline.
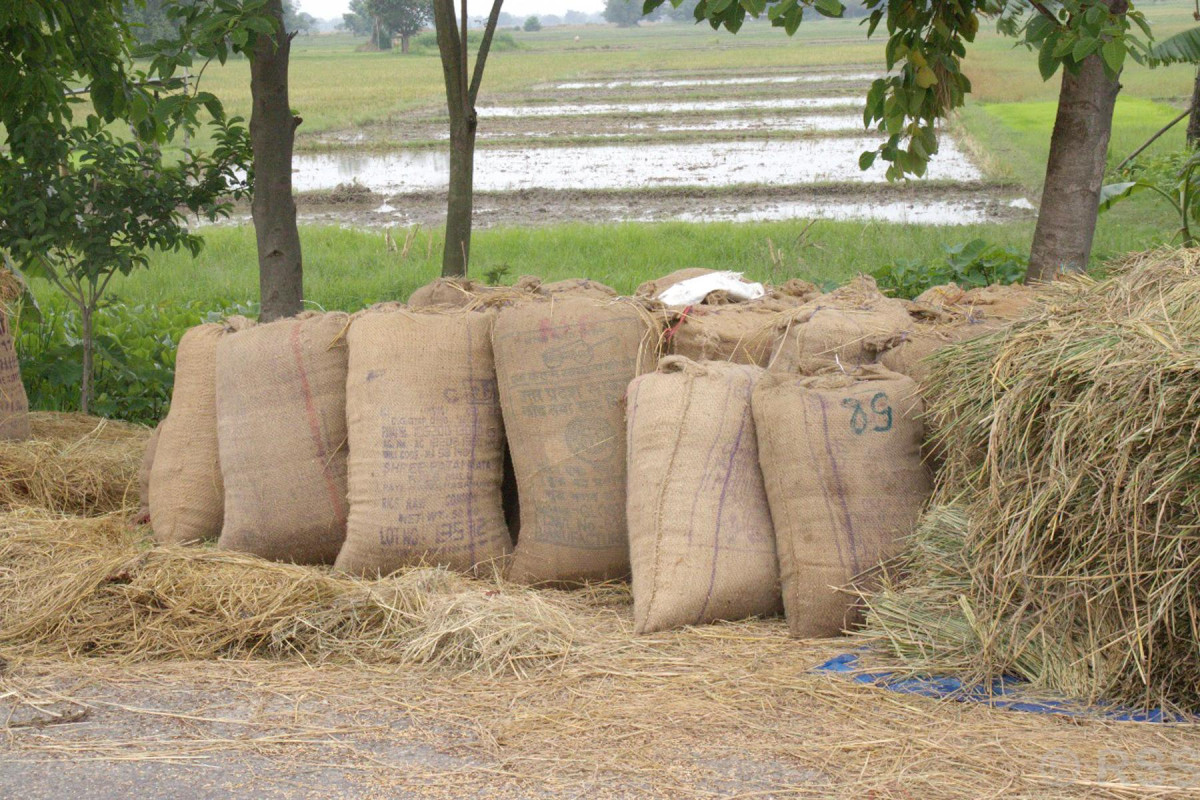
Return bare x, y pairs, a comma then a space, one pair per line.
76, 587
73, 464
1071, 446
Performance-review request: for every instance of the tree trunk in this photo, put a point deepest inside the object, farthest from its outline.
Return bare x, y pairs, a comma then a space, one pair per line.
457, 254
1062, 241
382, 37
272, 136
404, 40
87, 335
1193, 128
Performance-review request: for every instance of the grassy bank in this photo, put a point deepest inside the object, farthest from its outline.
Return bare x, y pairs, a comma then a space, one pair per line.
347, 269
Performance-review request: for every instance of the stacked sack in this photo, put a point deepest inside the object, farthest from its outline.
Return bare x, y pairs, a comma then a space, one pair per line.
14, 404
749, 488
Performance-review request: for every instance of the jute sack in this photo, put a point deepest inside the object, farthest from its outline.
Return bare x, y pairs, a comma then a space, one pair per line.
579, 286
944, 315
447, 293
144, 475
562, 367
426, 443
700, 534
850, 326
743, 333
841, 458
14, 403
187, 497
281, 431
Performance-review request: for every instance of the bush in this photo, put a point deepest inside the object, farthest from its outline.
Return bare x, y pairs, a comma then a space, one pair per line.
501, 41
975, 263
135, 356
533, 25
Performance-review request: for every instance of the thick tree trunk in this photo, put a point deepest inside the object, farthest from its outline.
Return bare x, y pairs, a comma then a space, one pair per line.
1062, 241
272, 136
405, 38
1193, 128
457, 254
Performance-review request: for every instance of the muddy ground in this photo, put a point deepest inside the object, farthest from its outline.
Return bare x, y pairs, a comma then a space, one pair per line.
357, 207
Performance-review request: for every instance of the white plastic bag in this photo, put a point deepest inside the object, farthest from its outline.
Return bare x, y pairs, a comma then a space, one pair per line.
694, 290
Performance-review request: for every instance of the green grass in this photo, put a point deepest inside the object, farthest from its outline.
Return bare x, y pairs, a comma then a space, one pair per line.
348, 269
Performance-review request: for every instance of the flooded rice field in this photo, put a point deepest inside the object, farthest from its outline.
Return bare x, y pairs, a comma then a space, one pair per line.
635, 166
725, 145
691, 107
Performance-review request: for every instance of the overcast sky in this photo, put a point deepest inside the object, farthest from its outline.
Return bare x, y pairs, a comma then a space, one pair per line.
325, 9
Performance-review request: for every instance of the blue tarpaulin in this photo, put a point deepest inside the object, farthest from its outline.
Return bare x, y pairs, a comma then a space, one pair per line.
1006, 692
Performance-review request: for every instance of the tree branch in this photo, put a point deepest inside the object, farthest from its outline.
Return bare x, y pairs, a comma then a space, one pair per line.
484, 46
1152, 139
1045, 11
451, 51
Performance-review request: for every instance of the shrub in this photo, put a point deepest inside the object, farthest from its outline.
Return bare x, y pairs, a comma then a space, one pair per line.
974, 263
501, 41
135, 356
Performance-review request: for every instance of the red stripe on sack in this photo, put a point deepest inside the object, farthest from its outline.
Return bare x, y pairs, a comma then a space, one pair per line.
314, 426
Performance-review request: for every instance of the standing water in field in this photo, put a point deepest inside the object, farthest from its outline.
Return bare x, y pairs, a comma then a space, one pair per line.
633, 166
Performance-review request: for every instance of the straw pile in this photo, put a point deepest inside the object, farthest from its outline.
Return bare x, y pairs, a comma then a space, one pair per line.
1072, 453
76, 587
73, 464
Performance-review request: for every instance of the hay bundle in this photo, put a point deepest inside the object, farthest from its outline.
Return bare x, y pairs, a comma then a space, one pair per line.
1072, 441
77, 587
73, 464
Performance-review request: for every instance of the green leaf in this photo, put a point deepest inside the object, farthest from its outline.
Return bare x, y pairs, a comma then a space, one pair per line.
1047, 63
754, 7
1113, 53
867, 159
1182, 48
1114, 193
1083, 48
829, 8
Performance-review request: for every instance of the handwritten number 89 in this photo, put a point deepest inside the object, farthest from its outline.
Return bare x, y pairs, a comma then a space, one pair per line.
881, 411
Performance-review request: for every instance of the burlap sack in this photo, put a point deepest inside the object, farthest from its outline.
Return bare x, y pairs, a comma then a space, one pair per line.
700, 535
144, 475
841, 458
579, 286
426, 443
281, 431
850, 326
445, 293
743, 333
187, 497
563, 366
944, 315
14, 403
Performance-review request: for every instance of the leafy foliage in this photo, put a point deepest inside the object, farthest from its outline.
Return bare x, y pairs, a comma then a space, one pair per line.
926, 42
135, 355
1174, 178
971, 264
1182, 48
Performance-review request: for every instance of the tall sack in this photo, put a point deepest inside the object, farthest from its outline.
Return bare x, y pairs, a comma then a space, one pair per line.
426, 443
850, 326
144, 475
14, 403
187, 497
700, 531
841, 458
281, 431
743, 333
563, 366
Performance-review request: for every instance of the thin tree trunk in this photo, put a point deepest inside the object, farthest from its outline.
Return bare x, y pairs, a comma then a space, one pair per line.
272, 136
86, 333
460, 103
1193, 128
1062, 241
